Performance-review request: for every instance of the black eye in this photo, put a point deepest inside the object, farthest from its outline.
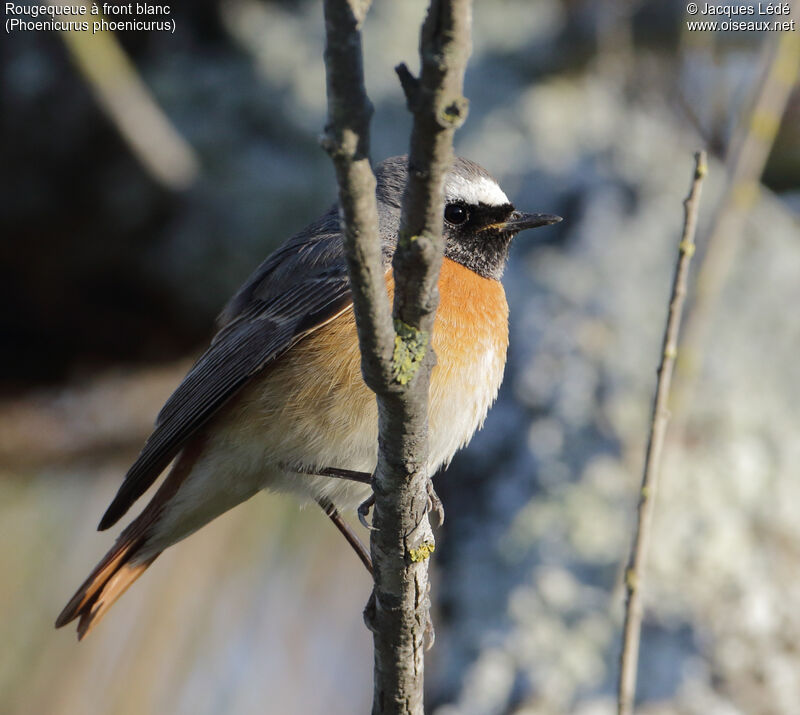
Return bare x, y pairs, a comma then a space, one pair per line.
455, 214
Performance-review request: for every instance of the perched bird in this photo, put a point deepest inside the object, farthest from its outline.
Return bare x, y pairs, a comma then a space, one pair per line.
277, 401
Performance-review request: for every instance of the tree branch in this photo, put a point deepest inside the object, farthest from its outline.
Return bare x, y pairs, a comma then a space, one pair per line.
346, 139
634, 573
403, 539
396, 356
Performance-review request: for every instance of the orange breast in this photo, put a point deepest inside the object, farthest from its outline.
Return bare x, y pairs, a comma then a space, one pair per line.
470, 337
471, 322
472, 319
314, 400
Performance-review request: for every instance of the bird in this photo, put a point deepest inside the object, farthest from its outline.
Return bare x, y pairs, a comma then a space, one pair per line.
277, 402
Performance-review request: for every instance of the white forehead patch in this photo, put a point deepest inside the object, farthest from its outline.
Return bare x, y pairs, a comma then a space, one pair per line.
475, 190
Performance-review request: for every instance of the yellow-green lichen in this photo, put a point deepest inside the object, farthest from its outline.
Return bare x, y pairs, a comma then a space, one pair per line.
453, 113
631, 579
423, 552
405, 239
410, 346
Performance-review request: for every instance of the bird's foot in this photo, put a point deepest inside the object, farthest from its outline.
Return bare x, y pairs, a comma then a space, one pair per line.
363, 511
434, 503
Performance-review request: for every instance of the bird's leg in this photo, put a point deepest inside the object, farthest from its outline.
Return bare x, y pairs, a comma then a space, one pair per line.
349, 474
434, 503
361, 477
331, 511
347, 532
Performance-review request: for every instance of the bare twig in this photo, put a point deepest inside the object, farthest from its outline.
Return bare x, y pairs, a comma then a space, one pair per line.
347, 141
396, 356
439, 108
635, 571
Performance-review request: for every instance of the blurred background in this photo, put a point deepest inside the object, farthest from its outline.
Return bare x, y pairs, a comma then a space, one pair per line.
145, 174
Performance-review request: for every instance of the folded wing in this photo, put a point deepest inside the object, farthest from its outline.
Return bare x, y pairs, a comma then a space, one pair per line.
297, 289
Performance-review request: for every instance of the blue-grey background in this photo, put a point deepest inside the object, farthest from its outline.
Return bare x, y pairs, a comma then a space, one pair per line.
110, 281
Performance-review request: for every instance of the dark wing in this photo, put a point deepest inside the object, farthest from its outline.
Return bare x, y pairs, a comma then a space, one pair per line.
298, 288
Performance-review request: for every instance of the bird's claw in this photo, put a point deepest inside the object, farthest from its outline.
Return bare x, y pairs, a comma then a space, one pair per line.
434, 503
363, 511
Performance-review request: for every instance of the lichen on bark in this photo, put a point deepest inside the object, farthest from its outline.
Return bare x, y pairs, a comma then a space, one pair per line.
410, 346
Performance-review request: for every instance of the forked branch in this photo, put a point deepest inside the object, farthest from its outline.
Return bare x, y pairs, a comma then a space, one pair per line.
401, 540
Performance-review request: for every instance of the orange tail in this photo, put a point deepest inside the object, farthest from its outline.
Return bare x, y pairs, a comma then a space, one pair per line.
121, 566
109, 580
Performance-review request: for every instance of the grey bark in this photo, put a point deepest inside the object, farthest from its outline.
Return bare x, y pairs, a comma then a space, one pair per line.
396, 354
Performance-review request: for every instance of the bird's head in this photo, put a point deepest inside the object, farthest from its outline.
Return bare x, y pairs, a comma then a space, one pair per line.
479, 219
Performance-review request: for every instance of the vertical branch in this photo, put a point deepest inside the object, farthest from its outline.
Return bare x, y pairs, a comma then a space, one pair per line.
396, 357
346, 139
439, 108
634, 573
403, 540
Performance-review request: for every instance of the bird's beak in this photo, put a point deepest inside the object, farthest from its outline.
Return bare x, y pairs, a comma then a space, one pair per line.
519, 221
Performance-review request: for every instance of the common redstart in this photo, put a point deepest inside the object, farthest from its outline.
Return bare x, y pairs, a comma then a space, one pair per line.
277, 401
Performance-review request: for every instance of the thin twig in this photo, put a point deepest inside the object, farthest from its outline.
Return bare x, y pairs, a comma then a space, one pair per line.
346, 139
660, 417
